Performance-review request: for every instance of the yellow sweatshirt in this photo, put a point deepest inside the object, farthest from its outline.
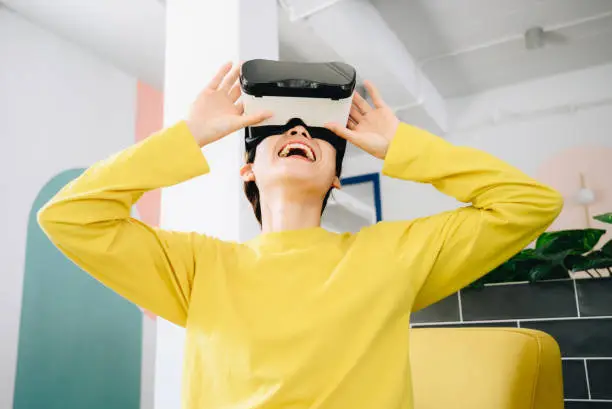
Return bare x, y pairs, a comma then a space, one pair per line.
305, 318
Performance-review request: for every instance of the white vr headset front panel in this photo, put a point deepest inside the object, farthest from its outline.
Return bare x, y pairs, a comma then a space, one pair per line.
313, 111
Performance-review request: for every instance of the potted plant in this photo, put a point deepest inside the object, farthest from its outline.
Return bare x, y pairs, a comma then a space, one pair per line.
557, 254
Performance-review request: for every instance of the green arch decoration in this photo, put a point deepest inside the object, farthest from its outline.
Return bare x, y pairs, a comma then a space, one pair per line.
79, 343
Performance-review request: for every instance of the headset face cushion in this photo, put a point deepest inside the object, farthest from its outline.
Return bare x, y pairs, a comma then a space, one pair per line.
256, 134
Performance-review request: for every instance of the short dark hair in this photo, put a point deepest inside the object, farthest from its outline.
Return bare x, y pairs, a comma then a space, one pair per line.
252, 192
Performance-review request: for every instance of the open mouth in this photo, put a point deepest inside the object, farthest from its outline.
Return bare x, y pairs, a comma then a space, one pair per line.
299, 150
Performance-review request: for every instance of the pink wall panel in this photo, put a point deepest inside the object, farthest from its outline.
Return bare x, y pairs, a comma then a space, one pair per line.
149, 118
563, 172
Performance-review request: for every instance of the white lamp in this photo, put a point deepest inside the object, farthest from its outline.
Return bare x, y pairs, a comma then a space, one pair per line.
585, 196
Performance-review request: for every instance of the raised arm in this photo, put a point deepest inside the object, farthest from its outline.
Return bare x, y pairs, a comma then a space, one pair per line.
89, 219
508, 210
443, 253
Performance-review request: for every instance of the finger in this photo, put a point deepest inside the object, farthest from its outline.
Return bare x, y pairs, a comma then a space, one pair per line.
342, 131
361, 103
240, 107
351, 124
231, 79
374, 94
355, 114
214, 83
235, 92
253, 119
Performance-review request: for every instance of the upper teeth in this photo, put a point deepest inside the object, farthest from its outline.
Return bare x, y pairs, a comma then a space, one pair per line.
304, 148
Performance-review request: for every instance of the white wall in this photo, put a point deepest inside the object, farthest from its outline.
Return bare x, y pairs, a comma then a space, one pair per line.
525, 125
60, 108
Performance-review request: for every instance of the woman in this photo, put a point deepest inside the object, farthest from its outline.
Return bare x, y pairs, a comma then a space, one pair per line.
298, 317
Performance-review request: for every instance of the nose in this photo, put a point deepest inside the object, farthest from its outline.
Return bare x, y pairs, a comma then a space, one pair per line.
299, 130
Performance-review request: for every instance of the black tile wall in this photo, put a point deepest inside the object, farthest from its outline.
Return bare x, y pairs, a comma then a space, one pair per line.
553, 299
595, 296
446, 310
600, 378
574, 380
588, 405
578, 337
511, 324
532, 305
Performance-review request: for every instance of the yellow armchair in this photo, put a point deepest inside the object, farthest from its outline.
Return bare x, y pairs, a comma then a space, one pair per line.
485, 368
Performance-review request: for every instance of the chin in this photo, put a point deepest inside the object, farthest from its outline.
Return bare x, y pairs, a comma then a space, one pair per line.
296, 173
297, 169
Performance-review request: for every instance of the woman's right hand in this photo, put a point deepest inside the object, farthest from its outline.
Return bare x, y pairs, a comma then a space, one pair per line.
217, 112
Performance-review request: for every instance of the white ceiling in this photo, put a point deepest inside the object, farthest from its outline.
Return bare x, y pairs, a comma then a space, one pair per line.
467, 46
298, 42
462, 46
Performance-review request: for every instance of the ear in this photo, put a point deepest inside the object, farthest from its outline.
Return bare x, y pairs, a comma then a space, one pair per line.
246, 173
336, 183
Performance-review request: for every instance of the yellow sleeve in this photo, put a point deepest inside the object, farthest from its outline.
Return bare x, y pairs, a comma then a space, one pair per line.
89, 221
508, 210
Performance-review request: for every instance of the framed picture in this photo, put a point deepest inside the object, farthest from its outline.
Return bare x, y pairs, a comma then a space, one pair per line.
356, 205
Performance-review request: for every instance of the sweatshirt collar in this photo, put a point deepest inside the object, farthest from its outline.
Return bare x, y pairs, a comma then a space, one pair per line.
291, 239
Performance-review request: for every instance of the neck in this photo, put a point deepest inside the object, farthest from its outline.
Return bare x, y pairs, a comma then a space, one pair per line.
281, 211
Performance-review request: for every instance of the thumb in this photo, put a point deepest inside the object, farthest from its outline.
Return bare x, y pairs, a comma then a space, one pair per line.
342, 131
252, 119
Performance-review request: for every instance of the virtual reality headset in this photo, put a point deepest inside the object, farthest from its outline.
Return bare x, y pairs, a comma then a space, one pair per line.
307, 94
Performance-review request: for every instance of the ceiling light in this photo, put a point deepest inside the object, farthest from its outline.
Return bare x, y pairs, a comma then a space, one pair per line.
534, 38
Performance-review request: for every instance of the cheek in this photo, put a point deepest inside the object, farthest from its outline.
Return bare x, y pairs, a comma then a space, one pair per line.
265, 164
328, 153
261, 166
264, 153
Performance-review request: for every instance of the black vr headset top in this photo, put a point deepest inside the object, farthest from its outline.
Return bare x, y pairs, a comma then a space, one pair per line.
307, 94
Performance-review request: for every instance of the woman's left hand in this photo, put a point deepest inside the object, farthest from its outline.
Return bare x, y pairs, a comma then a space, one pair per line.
370, 128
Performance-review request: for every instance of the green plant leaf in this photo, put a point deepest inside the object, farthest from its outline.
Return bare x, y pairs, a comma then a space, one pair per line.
478, 284
529, 265
525, 255
540, 271
573, 260
506, 272
606, 218
522, 269
555, 254
607, 248
558, 271
547, 271
593, 260
519, 266
501, 274
564, 242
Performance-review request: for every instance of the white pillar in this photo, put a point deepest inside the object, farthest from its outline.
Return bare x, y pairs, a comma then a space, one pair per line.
200, 37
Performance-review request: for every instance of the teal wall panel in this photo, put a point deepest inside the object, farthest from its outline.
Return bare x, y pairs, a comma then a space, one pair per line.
79, 343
